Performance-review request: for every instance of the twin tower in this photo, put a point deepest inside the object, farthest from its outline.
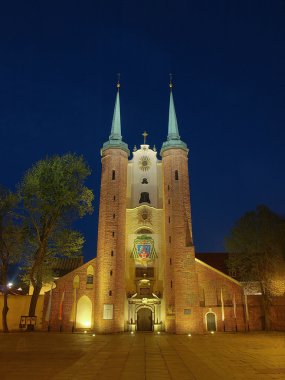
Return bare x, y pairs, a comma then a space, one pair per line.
145, 266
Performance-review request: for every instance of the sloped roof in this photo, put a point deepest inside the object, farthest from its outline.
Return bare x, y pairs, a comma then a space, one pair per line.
217, 260
64, 265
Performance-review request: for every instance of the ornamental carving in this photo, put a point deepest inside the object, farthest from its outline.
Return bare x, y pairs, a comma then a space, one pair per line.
144, 163
144, 215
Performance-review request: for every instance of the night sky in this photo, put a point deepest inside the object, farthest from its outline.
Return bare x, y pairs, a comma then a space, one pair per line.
58, 67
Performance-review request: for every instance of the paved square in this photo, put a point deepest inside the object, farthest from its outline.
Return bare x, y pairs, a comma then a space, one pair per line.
141, 356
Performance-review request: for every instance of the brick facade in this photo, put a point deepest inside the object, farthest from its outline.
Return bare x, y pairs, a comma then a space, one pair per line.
110, 266
146, 199
180, 283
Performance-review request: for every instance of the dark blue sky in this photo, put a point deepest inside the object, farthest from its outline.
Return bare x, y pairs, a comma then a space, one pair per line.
58, 65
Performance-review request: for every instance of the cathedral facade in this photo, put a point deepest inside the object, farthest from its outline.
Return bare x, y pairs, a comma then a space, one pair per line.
145, 276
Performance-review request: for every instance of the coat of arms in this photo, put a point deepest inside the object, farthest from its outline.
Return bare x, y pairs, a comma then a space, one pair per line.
144, 249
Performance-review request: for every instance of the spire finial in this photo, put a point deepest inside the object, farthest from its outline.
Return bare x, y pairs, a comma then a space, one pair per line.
170, 81
145, 134
173, 138
118, 81
115, 139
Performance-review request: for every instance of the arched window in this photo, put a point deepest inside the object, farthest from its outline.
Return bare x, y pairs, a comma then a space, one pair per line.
76, 282
144, 197
90, 276
144, 231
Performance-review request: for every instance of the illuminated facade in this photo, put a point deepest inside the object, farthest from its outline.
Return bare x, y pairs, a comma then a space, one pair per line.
145, 276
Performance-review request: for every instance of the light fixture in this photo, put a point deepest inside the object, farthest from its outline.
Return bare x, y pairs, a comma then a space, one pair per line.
212, 332
189, 334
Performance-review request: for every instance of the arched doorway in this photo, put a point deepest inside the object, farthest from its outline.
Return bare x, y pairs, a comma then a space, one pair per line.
211, 322
144, 319
84, 312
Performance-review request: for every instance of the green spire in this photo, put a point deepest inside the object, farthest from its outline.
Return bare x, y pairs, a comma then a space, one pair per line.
173, 138
115, 138
173, 133
116, 122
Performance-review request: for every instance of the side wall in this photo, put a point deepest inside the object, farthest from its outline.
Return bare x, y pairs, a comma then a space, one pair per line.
222, 296
60, 305
18, 306
255, 313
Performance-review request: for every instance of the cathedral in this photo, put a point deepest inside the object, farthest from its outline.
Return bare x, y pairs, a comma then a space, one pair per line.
145, 276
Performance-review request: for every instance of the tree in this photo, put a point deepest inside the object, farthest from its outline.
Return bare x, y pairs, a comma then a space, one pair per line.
256, 245
11, 239
54, 196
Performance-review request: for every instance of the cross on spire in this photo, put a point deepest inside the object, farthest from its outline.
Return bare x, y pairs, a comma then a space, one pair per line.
170, 81
118, 81
145, 134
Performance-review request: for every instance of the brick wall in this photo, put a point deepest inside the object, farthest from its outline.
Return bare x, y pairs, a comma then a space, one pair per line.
110, 265
180, 282
215, 287
65, 285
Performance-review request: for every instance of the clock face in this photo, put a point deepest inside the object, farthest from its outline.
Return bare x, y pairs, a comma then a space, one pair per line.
144, 163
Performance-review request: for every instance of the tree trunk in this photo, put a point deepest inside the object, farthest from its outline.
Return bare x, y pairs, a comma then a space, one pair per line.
5, 312
5, 304
266, 308
33, 304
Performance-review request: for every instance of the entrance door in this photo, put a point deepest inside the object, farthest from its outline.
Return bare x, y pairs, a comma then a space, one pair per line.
211, 322
144, 319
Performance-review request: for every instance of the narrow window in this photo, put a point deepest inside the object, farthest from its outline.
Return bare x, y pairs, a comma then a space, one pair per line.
112, 253
114, 197
89, 278
168, 187
113, 175
111, 273
113, 233
171, 283
114, 216
176, 175
170, 261
110, 292
169, 239
169, 201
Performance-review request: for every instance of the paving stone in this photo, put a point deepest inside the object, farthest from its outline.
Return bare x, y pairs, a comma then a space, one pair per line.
53, 356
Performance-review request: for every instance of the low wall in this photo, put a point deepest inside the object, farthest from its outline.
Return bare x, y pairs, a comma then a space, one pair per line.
19, 305
256, 317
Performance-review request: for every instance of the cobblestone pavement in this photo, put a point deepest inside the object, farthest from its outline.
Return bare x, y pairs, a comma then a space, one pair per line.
56, 356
